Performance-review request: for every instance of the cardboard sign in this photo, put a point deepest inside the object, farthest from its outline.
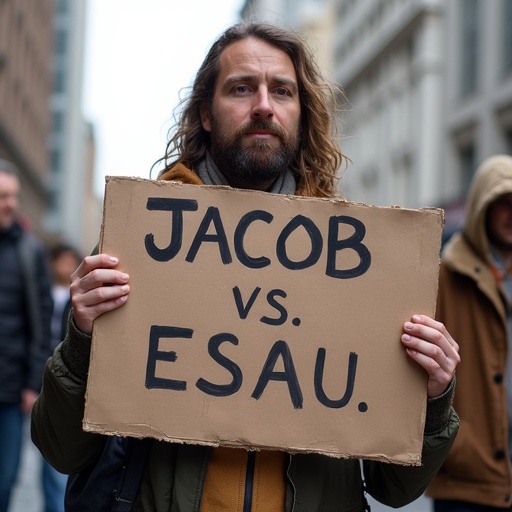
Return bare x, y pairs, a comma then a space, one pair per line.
263, 321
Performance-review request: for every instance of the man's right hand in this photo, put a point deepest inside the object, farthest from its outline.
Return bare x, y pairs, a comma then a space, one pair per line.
97, 287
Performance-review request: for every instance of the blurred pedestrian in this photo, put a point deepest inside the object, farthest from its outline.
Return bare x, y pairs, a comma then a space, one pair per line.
64, 259
475, 304
25, 313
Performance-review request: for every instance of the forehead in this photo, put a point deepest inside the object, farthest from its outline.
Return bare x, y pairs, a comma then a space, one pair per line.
252, 56
8, 180
503, 199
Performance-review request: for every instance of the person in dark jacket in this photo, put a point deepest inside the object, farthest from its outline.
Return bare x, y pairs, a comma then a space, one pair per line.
260, 116
25, 313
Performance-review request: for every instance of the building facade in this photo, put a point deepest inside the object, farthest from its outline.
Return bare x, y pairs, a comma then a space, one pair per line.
314, 18
26, 55
430, 86
75, 211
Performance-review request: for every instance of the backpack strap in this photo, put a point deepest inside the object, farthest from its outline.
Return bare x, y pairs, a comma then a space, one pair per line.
135, 465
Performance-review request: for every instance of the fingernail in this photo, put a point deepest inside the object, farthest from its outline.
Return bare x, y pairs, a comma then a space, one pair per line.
113, 259
406, 337
125, 277
408, 325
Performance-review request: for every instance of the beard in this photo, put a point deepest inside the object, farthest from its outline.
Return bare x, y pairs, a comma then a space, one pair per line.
260, 160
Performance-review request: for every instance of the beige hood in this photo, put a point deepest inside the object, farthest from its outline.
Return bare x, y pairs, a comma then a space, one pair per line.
492, 179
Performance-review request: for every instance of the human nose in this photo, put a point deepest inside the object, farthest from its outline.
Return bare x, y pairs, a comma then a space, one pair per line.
9, 200
262, 108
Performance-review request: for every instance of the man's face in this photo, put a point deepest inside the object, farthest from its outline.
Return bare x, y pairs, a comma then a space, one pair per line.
9, 198
255, 115
499, 223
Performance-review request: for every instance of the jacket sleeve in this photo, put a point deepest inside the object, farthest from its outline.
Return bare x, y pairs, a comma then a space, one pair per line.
396, 485
56, 422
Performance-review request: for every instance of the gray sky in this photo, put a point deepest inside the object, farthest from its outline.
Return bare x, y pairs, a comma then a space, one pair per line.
138, 55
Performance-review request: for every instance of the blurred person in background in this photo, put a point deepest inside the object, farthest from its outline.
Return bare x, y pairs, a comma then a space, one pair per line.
64, 259
475, 304
25, 316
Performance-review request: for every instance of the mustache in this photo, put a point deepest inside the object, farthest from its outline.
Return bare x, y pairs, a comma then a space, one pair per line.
263, 125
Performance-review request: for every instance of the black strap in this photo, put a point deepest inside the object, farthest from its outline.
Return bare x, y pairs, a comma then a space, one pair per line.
133, 475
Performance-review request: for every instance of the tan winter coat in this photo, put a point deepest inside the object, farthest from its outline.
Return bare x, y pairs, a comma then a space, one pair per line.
473, 307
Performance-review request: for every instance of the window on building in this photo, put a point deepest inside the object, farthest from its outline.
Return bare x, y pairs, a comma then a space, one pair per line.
467, 166
57, 121
507, 36
55, 161
60, 42
59, 81
508, 137
469, 46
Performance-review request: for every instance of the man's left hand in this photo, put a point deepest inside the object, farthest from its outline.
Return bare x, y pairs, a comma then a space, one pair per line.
429, 344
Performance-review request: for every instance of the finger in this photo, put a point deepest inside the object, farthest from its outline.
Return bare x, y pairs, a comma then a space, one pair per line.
437, 327
90, 263
99, 277
431, 344
426, 329
99, 294
89, 306
438, 378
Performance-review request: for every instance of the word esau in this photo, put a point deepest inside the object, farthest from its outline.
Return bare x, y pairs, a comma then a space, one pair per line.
213, 218
280, 350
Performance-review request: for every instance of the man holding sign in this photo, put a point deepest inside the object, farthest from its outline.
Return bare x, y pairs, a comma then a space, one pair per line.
259, 117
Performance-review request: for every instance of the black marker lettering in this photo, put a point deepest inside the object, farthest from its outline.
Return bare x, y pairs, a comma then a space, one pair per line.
177, 207
240, 231
318, 380
213, 349
316, 243
289, 375
279, 307
243, 311
353, 242
163, 331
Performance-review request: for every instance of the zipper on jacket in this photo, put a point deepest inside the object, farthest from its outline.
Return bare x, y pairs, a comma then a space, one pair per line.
291, 481
249, 481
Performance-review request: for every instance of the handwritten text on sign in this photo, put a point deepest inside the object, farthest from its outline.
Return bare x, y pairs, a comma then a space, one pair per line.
211, 230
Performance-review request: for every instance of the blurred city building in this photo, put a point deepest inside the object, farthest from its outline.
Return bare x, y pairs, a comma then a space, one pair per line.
429, 88
42, 129
314, 18
26, 49
75, 211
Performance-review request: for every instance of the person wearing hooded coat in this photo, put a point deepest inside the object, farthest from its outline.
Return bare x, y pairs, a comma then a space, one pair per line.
475, 304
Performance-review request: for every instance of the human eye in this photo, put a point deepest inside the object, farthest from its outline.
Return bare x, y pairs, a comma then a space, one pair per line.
282, 91
241, 89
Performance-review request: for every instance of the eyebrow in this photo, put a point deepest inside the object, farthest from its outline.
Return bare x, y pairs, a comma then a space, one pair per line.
291, 84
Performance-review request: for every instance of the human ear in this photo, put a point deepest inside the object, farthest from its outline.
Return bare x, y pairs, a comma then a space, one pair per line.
205, 117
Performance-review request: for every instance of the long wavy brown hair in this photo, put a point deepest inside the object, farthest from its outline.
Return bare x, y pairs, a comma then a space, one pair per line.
319, 156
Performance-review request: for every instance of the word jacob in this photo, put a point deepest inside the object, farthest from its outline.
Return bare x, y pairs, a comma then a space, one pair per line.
211, 230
